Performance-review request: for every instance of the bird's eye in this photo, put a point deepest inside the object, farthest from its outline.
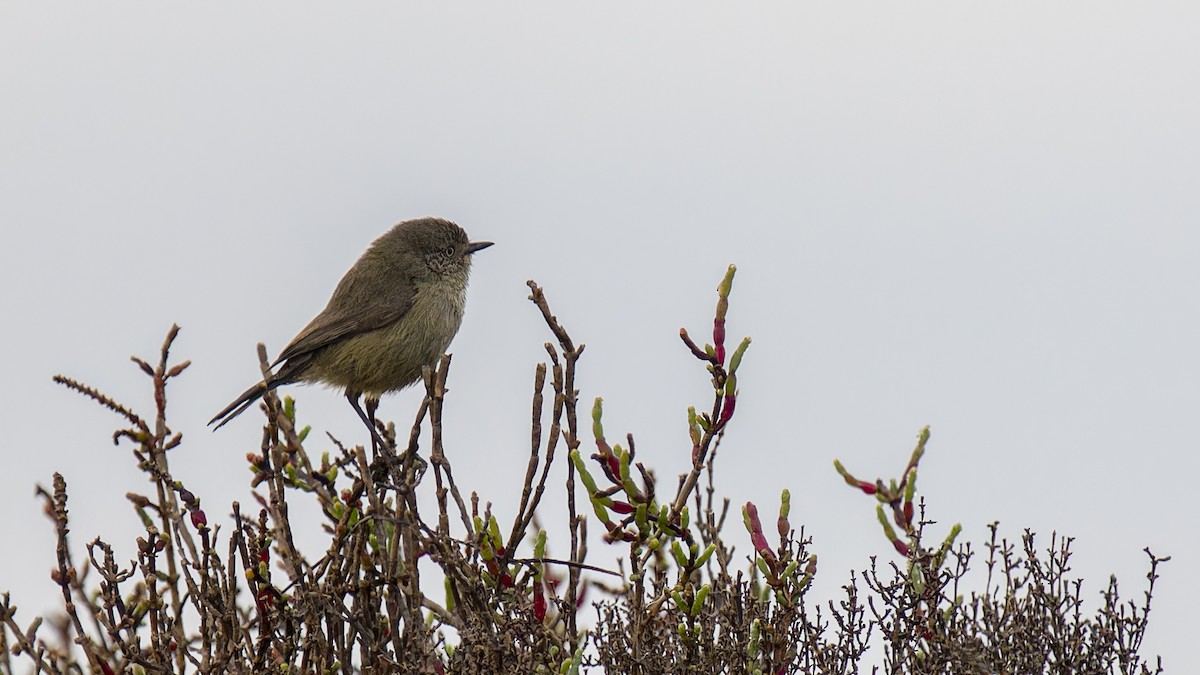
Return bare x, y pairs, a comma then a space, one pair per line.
449, 251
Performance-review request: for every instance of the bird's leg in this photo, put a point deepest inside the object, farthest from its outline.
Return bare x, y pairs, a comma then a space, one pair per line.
372, 406
376, 440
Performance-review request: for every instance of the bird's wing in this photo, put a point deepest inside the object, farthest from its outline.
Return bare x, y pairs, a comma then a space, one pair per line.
358, 305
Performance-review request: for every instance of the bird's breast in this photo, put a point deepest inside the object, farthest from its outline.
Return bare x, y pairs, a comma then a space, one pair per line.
391, 357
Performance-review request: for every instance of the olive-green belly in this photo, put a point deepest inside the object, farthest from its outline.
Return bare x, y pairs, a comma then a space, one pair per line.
391, 358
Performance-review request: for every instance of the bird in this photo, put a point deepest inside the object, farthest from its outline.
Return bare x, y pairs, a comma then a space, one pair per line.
394, 312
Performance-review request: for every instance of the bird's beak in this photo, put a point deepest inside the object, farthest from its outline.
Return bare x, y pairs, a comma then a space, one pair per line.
477, 246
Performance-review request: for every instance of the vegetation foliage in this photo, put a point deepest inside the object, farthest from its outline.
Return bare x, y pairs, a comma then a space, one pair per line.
237, 595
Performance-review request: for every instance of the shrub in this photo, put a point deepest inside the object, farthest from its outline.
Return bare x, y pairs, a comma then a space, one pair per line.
240, 597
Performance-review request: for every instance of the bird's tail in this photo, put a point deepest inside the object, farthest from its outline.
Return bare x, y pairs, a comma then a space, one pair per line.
286, 375
240, 404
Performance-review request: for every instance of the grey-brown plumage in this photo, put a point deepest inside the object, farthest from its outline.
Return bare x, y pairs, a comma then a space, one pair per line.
394, 312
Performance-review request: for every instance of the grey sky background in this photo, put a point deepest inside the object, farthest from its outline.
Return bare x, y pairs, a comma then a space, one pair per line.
977, 217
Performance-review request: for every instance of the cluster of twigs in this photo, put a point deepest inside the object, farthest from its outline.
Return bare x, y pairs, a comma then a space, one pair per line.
238, 595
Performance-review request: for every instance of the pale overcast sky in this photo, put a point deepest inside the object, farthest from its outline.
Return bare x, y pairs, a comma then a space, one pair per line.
981, 217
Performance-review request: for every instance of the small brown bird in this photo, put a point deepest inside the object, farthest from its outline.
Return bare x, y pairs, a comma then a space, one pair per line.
395, 311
